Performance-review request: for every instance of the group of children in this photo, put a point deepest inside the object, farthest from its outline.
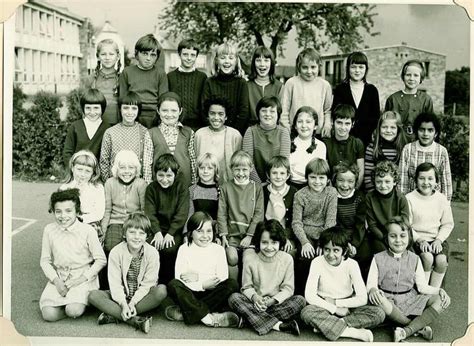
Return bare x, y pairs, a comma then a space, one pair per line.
303, 217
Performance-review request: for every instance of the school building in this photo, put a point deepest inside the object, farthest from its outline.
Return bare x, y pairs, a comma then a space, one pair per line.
50, 43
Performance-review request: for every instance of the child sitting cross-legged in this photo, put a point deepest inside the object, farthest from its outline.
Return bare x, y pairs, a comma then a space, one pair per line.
336, 292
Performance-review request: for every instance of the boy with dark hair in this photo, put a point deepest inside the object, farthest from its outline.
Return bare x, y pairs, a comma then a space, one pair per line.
145, 78
188, 82
342, 146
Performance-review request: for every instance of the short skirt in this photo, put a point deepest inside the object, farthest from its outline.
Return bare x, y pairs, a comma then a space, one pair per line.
410, 303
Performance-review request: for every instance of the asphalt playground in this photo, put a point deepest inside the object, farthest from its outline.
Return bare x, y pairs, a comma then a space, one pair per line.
30, 215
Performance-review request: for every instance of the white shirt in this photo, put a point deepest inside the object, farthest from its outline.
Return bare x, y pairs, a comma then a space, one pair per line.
300, 157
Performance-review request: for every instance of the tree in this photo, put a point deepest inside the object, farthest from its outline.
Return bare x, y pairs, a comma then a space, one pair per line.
457, 91
258, 23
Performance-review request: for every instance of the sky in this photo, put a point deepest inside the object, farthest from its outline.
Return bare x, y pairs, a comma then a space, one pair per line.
442, 29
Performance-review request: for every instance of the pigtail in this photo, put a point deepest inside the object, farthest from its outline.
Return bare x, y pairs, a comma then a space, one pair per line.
96, 73
117, 74
293, 135
313, 144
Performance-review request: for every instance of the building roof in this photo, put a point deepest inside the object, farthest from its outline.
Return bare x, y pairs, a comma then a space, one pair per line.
63, 10
382, 47
108, 28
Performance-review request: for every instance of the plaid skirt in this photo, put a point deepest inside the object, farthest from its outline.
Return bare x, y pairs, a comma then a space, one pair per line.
411, 303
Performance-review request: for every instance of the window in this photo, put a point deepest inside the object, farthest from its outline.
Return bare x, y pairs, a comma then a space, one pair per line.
61, 29
43, 24
327, 69
19, 19
27, 19
427, 69
28, 65
337, 77
19, 64
36, 22
50, 25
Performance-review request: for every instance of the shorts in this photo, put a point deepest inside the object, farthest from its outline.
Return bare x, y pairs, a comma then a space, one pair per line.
444, 251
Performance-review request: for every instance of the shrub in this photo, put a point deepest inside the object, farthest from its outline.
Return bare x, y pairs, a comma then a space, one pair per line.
74, 104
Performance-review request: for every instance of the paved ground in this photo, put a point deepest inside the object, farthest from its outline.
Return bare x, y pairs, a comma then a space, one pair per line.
30, 216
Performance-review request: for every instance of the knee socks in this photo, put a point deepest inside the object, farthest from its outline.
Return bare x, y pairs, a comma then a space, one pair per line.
428, 316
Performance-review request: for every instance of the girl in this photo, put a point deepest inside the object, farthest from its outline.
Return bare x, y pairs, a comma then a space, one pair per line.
71, 258
363, 96
307, 89
84, 175
410, 101
314, 210
127, 135
391, 285
124, 194
262, 81
87, 133
387, 145
201, 286
267, 301
204, 195
133, 273
218, 139
171, 137
267, 139
227, 81
432, 221
106, 77
336, 292
304, 144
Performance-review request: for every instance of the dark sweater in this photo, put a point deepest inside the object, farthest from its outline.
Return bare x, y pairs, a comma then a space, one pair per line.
235, 90
167, 208
77, 139
351, 216
189, 86
288, 200
368, 112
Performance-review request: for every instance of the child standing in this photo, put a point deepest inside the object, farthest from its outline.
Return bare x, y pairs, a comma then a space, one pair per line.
166, 205
262, 81
171, 137
87, 133
425, 149
391, 285
363, 96
227, 81
314, 210
218, 139
71, 258
106, 78
304, 144
336, 293
267, 301
133, 273
240, 209
278, 199
188, 83
127, 135
201, 286
432, 221
124, 194
342, 146
146, 79
307, 89
387, 145
383, 203
410, 102
267, 139
351, 213
84, 175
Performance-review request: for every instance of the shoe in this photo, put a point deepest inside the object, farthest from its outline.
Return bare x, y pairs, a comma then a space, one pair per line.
290, 327
226, 319
241, 322
143, 323
426, 333
105, 319
173, 313
316, 330
399, 334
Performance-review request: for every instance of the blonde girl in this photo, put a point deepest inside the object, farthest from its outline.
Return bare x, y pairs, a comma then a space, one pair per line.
387, 145
306, 88
262, 81
227, 81
106, 77
84, 175
304, 144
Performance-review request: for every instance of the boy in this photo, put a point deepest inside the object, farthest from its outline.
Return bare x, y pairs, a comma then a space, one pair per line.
240, 209
278, 199
167, 205
384, 203
217, 138
342, 146
336, 293
146, 78
87, 133
425, 149
188, 82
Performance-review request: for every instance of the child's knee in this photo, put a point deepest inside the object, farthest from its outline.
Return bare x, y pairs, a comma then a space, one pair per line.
75, 310
232, 255
51, 314
94, 296
159, 292
426, 258
441, 263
